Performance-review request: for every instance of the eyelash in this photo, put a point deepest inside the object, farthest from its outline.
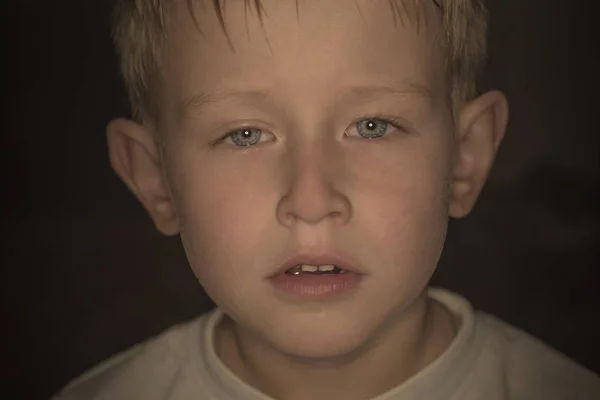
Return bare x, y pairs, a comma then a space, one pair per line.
389, 122
377, 117
383, 118
230, 134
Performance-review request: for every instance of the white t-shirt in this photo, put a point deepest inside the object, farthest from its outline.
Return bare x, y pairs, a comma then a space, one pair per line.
487, 360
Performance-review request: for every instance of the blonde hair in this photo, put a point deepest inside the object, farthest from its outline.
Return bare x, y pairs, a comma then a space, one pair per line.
140, 33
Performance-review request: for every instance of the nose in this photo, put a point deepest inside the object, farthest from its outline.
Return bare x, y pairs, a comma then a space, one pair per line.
312, 192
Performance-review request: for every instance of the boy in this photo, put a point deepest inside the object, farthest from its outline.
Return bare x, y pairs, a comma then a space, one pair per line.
309, 153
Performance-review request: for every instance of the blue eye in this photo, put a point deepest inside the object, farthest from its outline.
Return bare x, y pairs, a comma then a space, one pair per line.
245, 137
370, 128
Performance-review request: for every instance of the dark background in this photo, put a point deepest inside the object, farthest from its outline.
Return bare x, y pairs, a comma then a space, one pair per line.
84, 274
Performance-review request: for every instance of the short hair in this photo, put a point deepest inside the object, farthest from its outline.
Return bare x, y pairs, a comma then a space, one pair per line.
140, 27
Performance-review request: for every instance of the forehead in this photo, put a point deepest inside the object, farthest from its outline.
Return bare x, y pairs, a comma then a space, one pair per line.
301, 47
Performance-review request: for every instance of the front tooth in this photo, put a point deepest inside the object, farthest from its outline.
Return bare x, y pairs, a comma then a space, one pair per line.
326, 268
309, 268
295, 270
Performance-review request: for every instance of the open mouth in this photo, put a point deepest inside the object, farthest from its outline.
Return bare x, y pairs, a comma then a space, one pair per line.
310, 277
307, 269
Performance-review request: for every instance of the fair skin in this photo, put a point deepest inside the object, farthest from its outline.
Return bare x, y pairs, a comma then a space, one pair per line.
302, 79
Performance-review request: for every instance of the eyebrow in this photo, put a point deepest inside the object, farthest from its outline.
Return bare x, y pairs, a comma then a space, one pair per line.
200, 100
409, 90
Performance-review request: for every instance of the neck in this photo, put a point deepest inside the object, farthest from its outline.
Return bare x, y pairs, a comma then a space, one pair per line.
392, 356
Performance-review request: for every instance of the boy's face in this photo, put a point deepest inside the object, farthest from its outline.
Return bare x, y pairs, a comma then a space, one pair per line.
310, 181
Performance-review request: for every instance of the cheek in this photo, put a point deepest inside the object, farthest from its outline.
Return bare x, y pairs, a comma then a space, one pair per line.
407, 230
223, 216
406, 207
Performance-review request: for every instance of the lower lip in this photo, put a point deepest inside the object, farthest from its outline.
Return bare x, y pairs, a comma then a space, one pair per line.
317, 286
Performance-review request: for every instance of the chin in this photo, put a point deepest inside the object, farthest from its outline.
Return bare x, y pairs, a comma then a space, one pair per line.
320, 341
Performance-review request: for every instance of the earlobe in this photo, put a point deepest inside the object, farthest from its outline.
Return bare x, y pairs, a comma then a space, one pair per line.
482, 124
135, 158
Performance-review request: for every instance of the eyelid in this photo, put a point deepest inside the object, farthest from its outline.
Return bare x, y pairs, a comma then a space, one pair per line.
248, 126
395, 122
391, 121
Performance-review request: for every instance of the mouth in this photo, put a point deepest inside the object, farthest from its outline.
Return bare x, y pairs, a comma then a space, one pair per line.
303, 269
316, 277
317, 264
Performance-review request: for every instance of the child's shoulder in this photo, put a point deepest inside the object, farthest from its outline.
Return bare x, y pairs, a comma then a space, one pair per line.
530, 368
491, 359
147, 370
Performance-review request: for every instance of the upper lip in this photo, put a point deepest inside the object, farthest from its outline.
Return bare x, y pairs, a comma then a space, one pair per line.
318, 259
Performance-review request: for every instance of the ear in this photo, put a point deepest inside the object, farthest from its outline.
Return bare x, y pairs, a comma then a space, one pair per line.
481, 127
135, 158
